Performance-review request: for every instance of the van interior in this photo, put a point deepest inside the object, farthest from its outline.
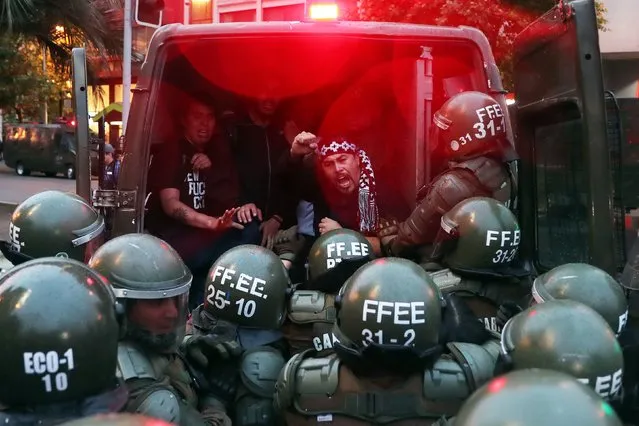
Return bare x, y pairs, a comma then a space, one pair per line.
366, 89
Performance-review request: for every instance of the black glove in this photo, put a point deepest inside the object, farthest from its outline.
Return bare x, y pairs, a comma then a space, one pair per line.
387, 232
505, 312
201, 351
460, 324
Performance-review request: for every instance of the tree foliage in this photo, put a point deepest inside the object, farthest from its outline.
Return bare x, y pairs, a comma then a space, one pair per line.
499, 20
89, 23
28, 26
24, 85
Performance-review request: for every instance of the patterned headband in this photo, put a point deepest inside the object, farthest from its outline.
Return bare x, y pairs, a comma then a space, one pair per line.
338, 147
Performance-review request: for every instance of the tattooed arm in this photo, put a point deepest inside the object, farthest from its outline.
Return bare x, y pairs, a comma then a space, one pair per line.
173, 207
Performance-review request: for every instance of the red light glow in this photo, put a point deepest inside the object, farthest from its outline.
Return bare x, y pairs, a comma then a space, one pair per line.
497, 384
323, 11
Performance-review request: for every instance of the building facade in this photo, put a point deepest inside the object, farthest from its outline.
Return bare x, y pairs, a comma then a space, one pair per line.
107, 94
619, 45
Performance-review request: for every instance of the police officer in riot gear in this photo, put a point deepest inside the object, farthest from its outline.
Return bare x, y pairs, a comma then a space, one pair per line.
470, 138
478, 244
238, 332
59, 345
566, 336
123, 419
333, 258
152, 283
535, 397
53, 223
388, 326
586, 284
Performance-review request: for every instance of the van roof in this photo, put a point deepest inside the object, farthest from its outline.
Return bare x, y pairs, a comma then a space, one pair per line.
388, 29
306, 27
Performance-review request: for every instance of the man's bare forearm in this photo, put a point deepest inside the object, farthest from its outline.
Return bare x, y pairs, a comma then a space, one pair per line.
377, 247
183, 213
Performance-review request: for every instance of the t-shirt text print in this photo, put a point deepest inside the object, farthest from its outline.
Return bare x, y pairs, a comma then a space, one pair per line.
196, 189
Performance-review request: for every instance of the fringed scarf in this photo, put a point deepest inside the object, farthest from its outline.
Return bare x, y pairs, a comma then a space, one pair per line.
367, 214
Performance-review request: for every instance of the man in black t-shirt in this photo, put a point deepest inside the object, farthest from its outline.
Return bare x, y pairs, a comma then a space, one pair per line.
197, 185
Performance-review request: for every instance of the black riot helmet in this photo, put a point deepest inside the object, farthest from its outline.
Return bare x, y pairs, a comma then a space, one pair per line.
586, 284
248, 286
389, 309
535, 397
566, 336
60, 333
335, 247
479, 235
53, 223
471, 124
141, 267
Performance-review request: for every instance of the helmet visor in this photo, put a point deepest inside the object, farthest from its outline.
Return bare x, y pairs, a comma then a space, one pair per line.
159, 324
445, 241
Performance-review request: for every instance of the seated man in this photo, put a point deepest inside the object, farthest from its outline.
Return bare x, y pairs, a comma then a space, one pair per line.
198, 190
258, 141
347, 195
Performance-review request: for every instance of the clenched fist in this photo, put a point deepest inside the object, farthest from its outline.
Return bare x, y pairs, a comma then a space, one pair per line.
303, 144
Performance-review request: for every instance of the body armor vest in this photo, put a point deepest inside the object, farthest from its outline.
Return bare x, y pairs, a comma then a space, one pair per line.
161, 377
309, 325
314, 391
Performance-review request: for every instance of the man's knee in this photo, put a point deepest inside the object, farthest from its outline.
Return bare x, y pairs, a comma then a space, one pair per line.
250, 234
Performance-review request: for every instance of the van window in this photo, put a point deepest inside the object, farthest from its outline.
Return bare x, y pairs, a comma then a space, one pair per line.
561, 190
67, 142
361, 88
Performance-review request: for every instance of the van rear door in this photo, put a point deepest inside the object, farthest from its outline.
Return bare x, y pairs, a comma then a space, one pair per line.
566, 186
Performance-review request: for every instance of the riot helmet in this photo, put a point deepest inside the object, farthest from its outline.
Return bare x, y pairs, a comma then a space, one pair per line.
60, 334
248, 285
479, 235
120, 419
152, 283
566, 336
534, 397
586, 284
468, 125
339, 247
53, 223
389, 305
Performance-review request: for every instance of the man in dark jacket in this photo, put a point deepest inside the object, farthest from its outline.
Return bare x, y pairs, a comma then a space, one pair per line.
258, 143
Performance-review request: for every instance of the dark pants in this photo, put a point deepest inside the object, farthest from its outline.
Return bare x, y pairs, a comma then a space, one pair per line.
200, 249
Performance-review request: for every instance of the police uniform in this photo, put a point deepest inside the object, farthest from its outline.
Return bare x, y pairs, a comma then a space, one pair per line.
244, 276
318, 390
477, 166
387, 366
141, 267
333, 257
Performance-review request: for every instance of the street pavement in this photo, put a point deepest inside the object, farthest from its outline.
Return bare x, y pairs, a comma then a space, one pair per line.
15, 189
